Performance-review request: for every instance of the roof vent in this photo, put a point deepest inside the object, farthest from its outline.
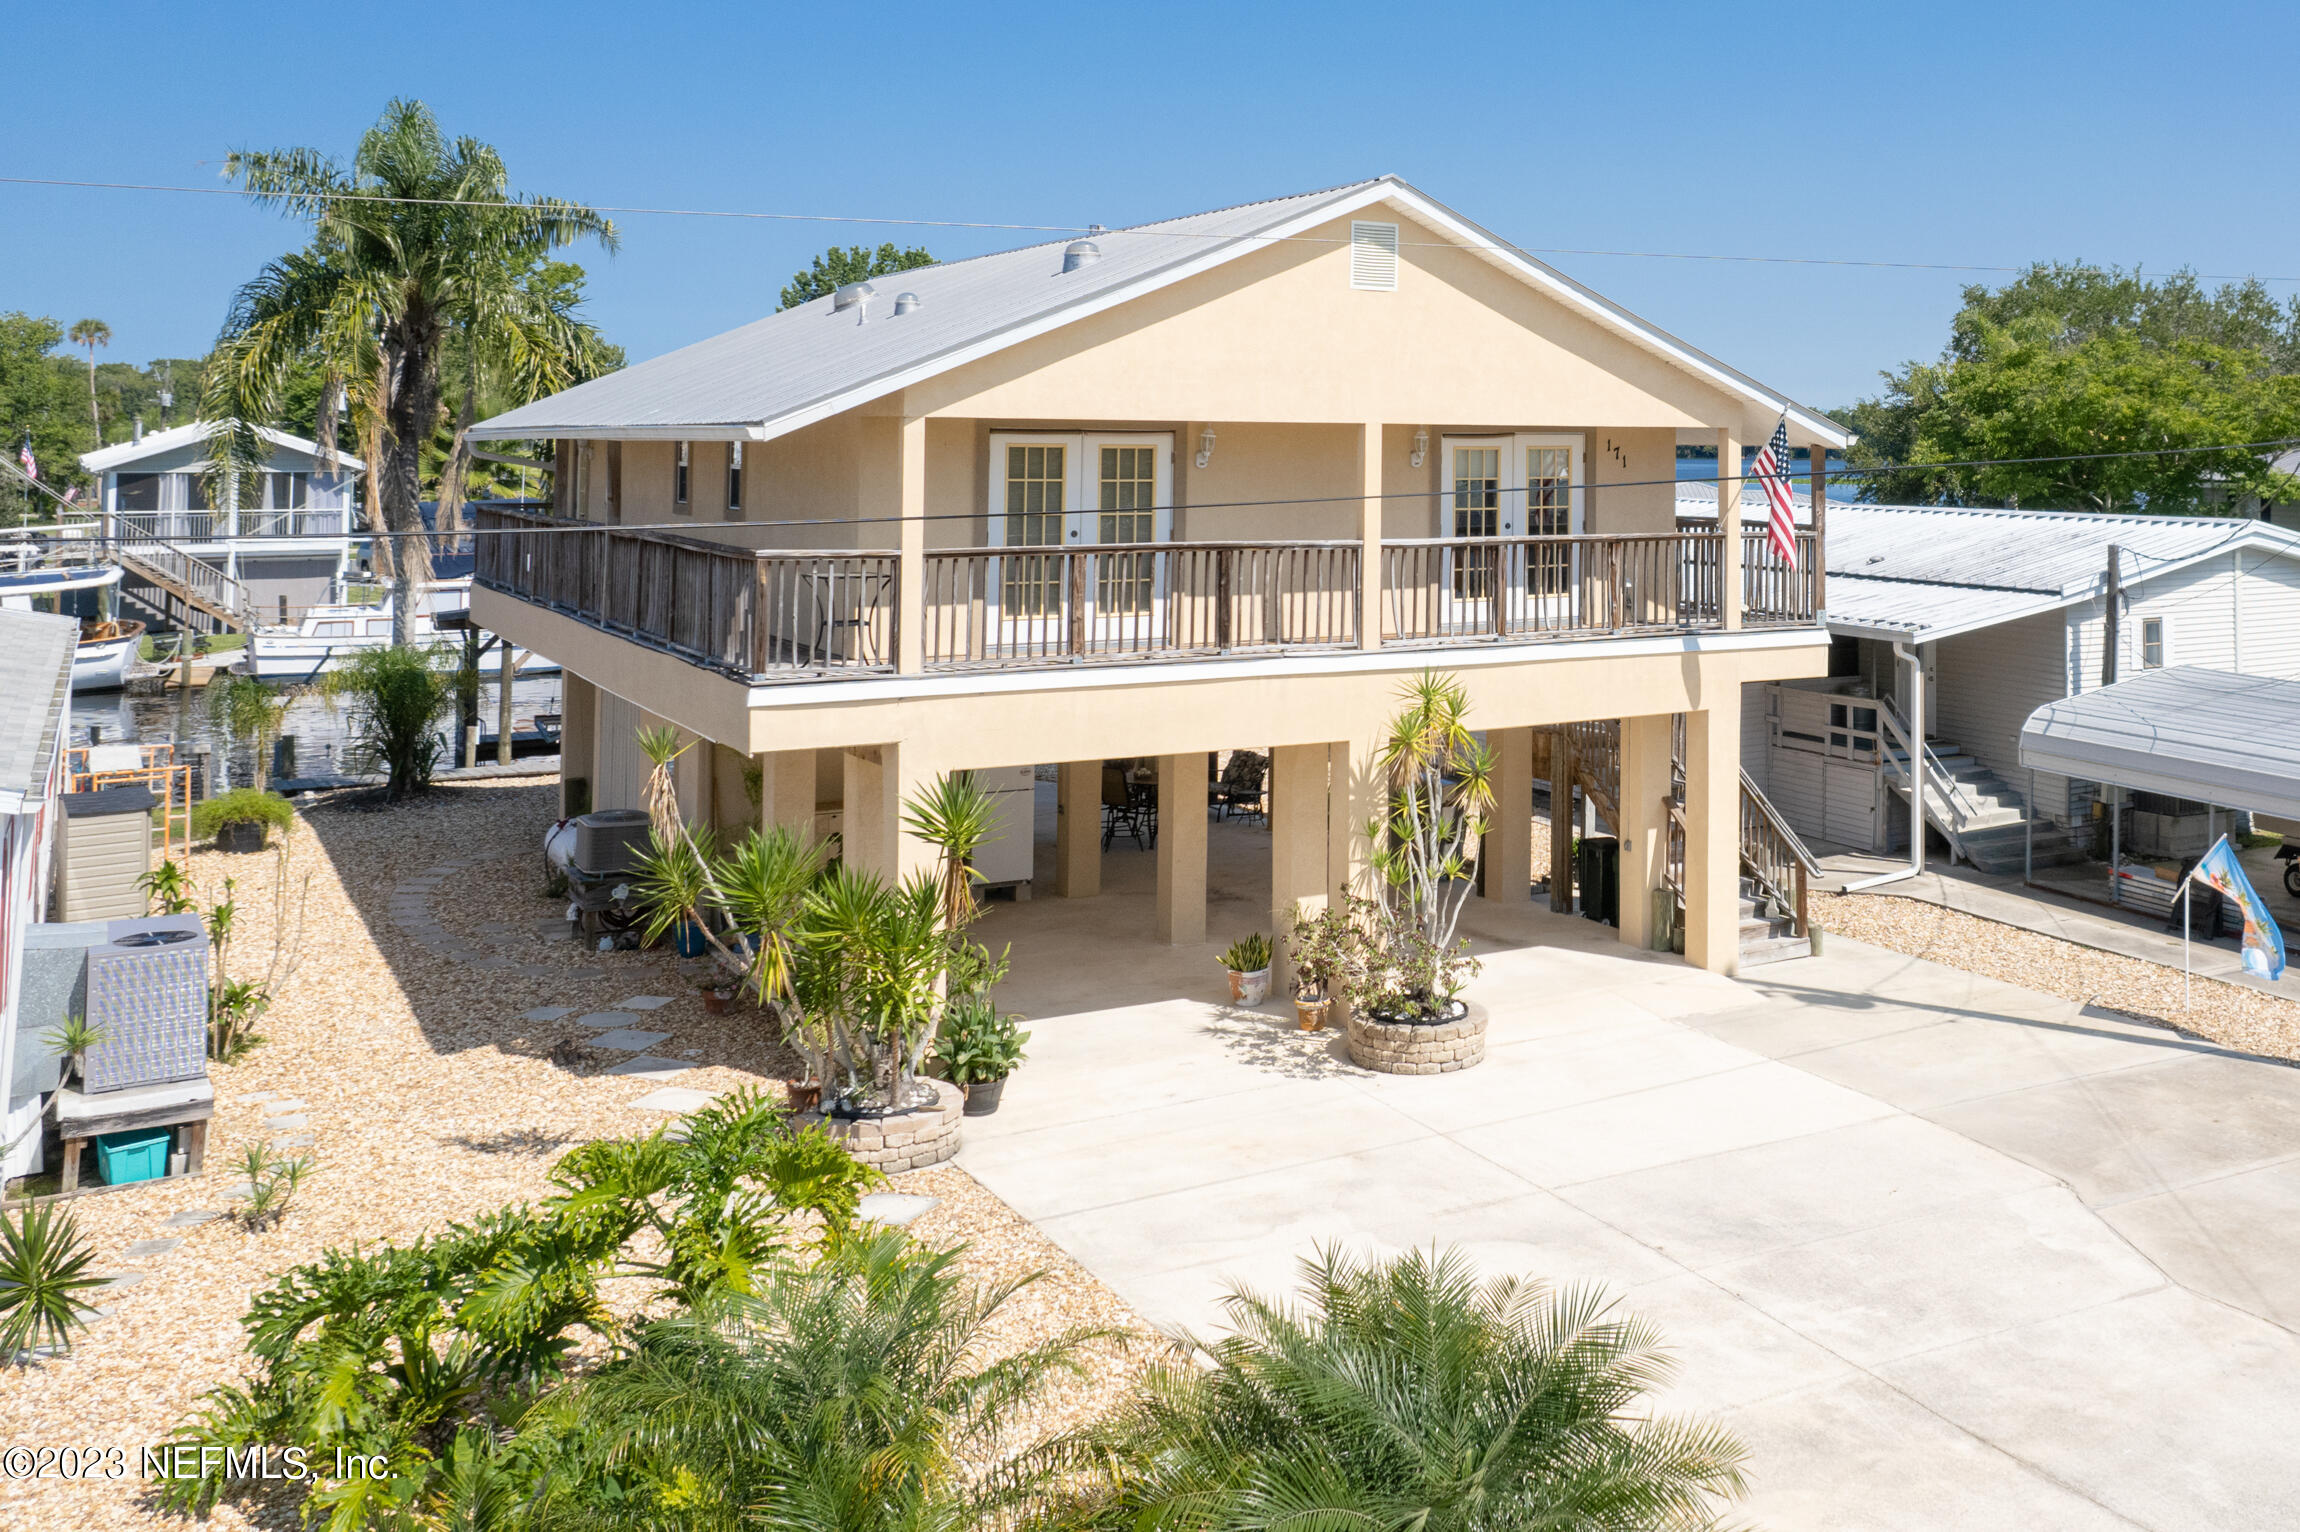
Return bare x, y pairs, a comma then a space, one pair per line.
905, 302
1082, 252
852, 295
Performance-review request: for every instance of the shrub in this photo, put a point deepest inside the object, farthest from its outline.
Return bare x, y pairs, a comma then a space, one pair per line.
241, 806
43, 1272
273, 1180
976, 1043
1408, 1393
397, 698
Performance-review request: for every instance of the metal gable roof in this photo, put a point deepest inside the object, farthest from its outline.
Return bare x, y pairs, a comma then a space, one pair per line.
803, 364
2195, 734
36, 650
1929, 572
155, 444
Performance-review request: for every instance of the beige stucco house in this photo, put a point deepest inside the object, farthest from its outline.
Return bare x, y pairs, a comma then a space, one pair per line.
1223, 481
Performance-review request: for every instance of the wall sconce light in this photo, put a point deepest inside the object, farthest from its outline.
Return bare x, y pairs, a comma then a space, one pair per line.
1421, 446
1205, 446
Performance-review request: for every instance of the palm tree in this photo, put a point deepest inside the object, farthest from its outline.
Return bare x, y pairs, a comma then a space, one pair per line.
847, 1395
419, 241
91, 333
1409, 1394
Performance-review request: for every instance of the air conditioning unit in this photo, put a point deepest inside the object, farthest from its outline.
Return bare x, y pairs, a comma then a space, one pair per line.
148, 991
610, 841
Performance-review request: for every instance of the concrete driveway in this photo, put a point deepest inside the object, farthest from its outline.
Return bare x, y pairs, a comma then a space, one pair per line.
1944, 1252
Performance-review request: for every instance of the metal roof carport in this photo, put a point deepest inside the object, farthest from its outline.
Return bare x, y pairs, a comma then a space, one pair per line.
2209, 736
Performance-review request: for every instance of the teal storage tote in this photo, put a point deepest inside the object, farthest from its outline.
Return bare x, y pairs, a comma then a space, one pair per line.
141, 1155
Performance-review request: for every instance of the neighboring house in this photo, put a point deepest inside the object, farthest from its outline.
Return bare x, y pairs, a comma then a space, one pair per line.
2007, 610
1229, 480
33, 698
285, 536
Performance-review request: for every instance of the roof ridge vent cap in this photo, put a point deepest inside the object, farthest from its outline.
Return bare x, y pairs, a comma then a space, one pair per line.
1081, 252
905, 302
850, 295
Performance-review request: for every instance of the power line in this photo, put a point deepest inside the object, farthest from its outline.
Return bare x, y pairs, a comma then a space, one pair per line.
1065, 228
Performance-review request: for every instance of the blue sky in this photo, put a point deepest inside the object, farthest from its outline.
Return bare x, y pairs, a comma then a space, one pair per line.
1991, 135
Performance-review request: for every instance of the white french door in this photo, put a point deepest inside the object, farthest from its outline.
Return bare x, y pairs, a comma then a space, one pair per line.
1073, 491
1500, 488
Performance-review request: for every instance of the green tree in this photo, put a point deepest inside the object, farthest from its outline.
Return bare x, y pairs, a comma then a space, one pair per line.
2070, 358
91, 333
419, 242
1408, 1394
38, 407
836, 267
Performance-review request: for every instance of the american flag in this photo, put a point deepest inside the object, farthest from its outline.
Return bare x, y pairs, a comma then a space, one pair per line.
31, 463
1772, 469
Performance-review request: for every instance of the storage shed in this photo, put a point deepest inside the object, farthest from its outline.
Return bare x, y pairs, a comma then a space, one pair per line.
106, 851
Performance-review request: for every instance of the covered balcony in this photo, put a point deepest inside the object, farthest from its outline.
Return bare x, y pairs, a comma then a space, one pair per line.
765, 614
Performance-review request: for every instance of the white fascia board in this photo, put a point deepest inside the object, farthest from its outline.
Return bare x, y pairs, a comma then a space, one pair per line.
979, 683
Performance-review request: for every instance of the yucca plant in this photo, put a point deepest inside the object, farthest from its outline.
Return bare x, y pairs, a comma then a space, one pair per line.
43, 1272
273, 1180
73, 1038
1425, 849
957, 817
1411, 1394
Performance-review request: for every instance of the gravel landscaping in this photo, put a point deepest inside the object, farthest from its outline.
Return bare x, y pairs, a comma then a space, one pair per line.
2228, 1014
415, 1042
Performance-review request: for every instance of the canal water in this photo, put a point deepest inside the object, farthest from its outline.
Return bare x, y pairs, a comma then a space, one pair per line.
320, 732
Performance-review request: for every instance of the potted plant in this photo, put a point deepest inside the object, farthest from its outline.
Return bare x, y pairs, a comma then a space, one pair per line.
1248, 960
1324, 947
242, 819
978, 1047
715, 997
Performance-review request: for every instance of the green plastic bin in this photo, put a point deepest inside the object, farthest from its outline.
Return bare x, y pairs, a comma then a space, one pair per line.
141, 1155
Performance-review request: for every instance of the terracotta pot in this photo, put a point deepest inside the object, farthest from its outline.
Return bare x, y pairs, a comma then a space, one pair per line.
805, 1095
714, 1002
1312, 1013
1249, 988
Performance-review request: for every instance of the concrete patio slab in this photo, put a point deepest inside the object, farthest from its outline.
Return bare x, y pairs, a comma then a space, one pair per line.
1896, 1220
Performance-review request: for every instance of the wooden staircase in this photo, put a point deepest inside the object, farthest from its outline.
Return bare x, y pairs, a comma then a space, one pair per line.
190, 588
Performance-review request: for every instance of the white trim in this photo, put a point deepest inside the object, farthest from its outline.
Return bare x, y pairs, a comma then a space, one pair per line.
105, 459
1811, 424
1345, 662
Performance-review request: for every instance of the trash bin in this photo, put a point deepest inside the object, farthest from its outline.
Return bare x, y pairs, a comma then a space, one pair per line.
1597, 868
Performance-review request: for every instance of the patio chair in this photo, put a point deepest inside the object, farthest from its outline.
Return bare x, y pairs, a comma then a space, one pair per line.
1240, 790
1128, 808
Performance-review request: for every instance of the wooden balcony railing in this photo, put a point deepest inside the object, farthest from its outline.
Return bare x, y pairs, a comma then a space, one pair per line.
1008, 606
766, 615
792, 614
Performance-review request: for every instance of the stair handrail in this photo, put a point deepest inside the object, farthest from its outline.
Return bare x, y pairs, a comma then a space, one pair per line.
1930, 770
1775, 856
195, 577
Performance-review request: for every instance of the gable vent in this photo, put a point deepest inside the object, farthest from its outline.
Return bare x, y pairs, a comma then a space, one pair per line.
1374, 257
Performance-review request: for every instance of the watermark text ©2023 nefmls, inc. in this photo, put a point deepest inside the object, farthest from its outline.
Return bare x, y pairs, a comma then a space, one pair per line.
184, 1460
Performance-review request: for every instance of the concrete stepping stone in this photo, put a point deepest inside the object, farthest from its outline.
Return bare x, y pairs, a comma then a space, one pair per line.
144, 1249
535, 970
547, 1013
584, 975
239, 1191
122, 1279
189, 1218
295, 1141
650, 1067
261, 1095
644, 1002
289, 1105
491, 960
629, 1040
897, 1208
286, 1124
675, 1098
607, 1020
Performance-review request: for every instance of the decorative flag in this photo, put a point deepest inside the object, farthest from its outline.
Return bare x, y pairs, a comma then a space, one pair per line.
31, 463
2263, 942
1772, 468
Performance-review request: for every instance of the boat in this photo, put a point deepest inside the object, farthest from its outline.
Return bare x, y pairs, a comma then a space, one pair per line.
329, 636
72, 582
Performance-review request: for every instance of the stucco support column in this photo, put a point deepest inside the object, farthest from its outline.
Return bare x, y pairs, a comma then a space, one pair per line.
1078, 829
1729, 523
1370, 535
578, 743
876, 779
1644, 827
1713, 834
1509, 842
1561, 821
787, 790
1298, 838
1355, 792
910, 543
1181, 849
